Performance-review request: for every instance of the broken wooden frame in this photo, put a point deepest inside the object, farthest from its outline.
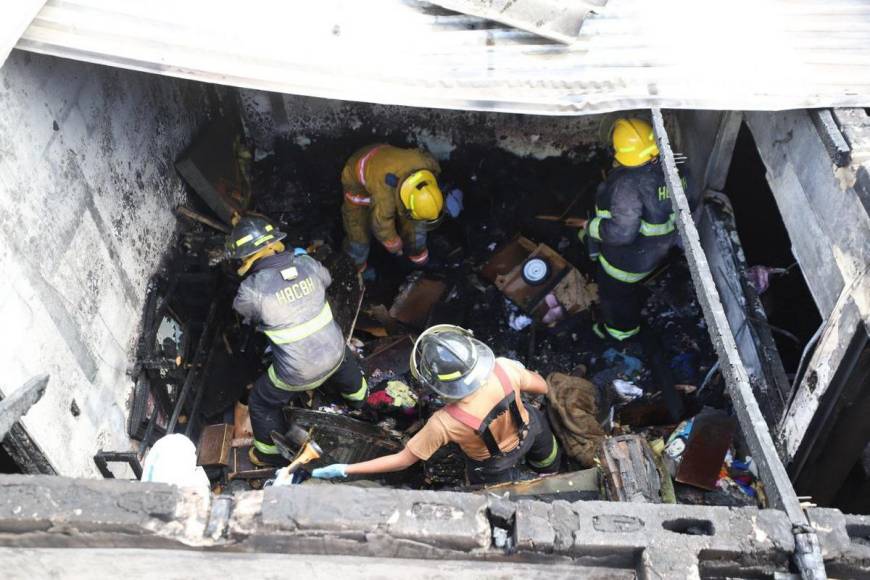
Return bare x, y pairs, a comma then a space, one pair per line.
821, 196
807, 555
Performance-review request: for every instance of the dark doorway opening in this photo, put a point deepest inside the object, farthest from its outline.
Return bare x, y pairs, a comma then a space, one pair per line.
788, 303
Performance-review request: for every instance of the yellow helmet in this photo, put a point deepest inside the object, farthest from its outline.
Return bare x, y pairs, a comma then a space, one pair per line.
421, 196
633, 142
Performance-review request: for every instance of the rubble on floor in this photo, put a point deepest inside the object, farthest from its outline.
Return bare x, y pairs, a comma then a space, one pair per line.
616, 407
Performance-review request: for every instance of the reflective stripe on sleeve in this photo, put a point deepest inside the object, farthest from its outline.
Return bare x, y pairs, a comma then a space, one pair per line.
621, 275
393, 245
303, 330
420, 258
265, 448
593, 228
663, 229
603, 213
357, 199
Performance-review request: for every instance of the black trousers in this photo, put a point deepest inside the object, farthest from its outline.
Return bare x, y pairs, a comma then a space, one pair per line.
620, 302
266, 401
539, 449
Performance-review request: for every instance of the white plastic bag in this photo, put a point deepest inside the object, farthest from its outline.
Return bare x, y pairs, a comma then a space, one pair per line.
173, 460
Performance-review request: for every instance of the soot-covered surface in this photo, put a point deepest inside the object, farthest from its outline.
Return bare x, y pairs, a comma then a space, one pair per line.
300, 187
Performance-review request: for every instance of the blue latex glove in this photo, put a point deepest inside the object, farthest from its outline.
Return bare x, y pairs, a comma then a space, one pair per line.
299, 252
333, 471
454, 202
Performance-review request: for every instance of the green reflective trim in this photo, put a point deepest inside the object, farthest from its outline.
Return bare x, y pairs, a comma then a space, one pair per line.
303, 330
603, 213
621, 275
359, 394
648, 229
549, 459
450, 376
244, 240
620, 334
594, 225
265, 448
625, 149
651, 150
263, 239
279, 384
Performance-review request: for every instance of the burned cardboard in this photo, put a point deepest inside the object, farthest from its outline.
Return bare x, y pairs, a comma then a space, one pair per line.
416, 300
539, 280
214, 445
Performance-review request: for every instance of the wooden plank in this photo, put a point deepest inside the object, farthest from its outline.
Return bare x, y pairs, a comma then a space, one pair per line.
719, 161
828, 226
829, 352
754, 429
16, 405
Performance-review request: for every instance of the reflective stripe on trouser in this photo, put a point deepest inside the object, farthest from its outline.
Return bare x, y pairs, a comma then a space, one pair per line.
302, 330
621, 275
620, 304
621, 334
360, 394
265, 448
548, 460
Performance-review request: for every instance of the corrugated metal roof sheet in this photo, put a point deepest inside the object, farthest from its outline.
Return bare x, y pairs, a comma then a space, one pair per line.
16, 16
743, 54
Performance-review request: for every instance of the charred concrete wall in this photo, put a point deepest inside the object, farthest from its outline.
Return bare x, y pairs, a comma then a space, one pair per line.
304, 119
87, 192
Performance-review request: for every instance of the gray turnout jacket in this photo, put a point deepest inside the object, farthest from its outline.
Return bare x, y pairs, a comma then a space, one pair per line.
285, 295
633, 228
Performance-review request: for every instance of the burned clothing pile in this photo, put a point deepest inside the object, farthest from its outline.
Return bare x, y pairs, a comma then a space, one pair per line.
572, 410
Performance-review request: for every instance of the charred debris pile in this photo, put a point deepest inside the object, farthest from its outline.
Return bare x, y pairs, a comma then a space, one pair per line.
644, 420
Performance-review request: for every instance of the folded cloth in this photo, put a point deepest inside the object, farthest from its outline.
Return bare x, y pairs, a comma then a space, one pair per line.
572, 411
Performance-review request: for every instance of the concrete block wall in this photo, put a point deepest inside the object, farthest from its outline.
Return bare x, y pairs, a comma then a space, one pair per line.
40, 515
87, 193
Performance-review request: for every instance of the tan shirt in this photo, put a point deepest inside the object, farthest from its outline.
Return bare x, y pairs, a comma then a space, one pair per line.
442, 429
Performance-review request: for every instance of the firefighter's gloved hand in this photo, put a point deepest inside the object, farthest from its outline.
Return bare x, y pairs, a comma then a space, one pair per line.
454, 202
369, 274
333, 471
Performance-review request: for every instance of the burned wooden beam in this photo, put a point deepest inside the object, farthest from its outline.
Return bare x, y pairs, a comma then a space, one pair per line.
16, 405
807, 556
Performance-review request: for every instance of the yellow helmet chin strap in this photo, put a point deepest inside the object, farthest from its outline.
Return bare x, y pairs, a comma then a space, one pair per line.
270, 250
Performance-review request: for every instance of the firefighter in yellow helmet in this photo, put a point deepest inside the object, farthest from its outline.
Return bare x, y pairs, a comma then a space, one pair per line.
393, 194
633, 228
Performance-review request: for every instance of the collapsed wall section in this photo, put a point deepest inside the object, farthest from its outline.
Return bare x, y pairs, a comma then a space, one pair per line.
87, 193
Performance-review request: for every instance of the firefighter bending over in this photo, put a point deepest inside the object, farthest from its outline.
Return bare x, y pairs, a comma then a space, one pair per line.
485, 414
391, 193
